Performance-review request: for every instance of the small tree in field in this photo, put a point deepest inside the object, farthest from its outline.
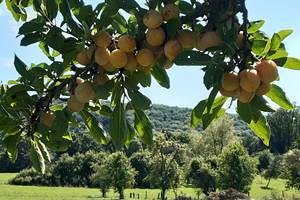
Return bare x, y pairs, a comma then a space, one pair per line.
117, 172
101, 178
273, 169
264, 160
164, 169
201, 177
236, 168
215, 138
292, 168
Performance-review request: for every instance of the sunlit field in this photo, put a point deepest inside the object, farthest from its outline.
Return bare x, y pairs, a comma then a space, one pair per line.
10, 192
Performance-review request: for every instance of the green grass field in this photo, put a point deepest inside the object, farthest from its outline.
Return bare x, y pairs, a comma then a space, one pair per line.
9, 192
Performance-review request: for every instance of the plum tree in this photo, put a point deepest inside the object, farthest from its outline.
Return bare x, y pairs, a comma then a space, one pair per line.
98, 54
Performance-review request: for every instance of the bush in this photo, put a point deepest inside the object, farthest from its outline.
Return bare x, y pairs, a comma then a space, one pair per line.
66, 171
32, 177
140, 162
229, 194
264, 160
236, 169
200, 176
292, 168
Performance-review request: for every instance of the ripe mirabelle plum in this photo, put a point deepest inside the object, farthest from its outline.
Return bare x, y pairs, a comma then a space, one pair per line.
267, 71
155, 37
145, 57
118, 58
74, 105
170, 11
172, 49
84, 92
263, 89
245, 97
47, 118
249, 80
132, 62
186, 38
83, 58
152, 19
100, 79
231, 81
207, 40
101, 56
126, 43
103, 39
226, 93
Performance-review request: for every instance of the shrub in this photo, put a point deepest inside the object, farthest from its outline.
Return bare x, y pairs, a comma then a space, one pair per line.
32, 177
236, 169
292, 168
200, 176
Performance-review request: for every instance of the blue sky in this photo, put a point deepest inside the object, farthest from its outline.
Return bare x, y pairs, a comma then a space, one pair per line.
187, 88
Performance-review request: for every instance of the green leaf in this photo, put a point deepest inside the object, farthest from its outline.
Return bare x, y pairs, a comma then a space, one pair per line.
31, 39
22, 69
185, 7
258, 46
36, 157
95, 129
118, 126
197, 113
266, 48
190, 57
272, 55
117, 93
172, 27
44, 151
216, 111
261, 129
104, 91
277, 95
10, 142
139, 100
52, 8
130, 134
279, 37
289, 63
161, 76
255, 26
142, 78
275, 42
85, 14
244, 110
285, 33
143, 126
260, 103
35, 25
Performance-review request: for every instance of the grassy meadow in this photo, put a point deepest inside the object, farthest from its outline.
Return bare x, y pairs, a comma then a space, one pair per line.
9, 192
